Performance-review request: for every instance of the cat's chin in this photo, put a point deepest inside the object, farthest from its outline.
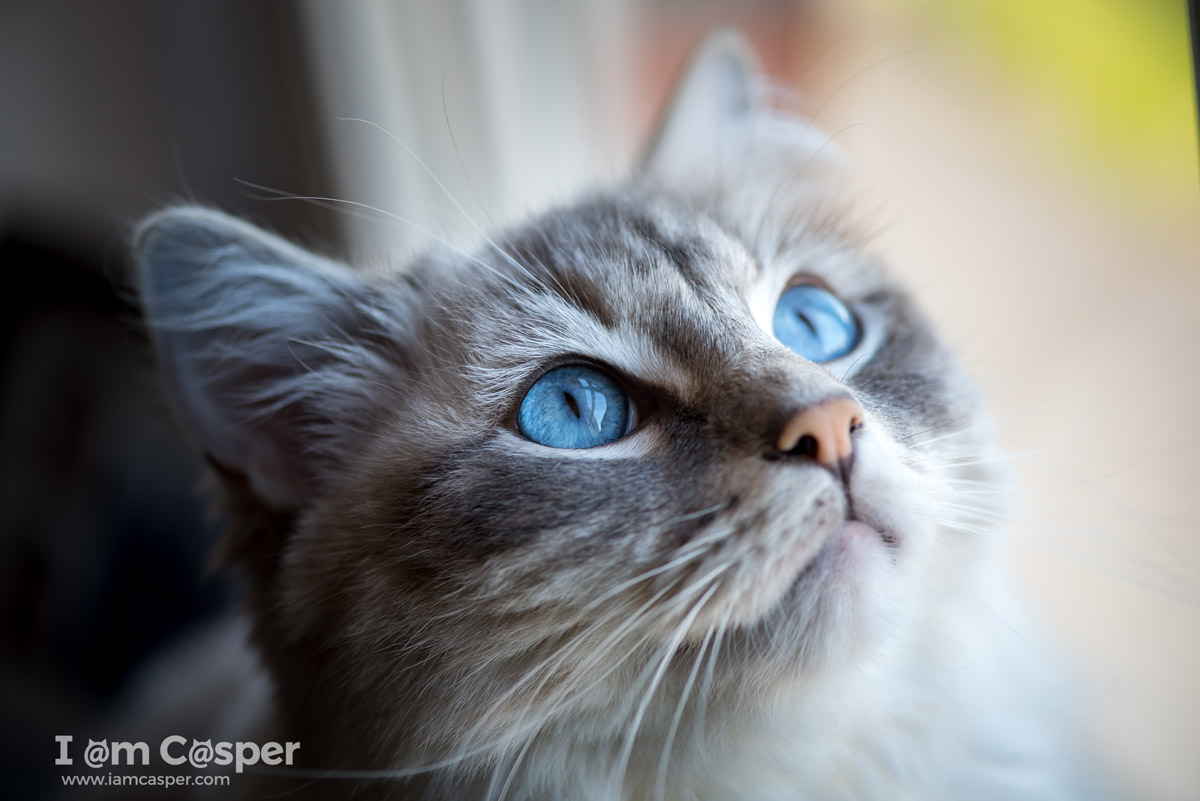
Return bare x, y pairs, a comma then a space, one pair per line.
840, 586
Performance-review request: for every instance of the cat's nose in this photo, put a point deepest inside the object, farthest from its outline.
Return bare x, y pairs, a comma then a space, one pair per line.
822, 432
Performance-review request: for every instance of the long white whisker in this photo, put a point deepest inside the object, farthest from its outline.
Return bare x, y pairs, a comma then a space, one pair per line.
671, 647
660, 784
710, 673
450, 196
480, 262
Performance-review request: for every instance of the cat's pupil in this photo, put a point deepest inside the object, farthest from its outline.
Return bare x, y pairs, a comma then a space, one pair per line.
807, 322
572, 403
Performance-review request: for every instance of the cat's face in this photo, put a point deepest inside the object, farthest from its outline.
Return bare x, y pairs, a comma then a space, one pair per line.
449, 576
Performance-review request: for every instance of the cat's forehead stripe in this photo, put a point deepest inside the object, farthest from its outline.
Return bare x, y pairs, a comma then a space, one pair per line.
561, 268
684, 253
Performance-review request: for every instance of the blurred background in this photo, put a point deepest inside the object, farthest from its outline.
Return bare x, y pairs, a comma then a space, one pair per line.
1032, 170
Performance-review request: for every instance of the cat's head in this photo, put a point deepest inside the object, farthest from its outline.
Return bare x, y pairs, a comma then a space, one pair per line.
683, 439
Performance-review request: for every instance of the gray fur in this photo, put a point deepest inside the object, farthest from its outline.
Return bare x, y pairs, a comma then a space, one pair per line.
471, 615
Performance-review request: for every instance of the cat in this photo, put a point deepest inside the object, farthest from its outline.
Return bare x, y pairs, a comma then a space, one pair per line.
667, 494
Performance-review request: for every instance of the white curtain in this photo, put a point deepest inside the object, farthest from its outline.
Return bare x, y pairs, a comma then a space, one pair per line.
508, 105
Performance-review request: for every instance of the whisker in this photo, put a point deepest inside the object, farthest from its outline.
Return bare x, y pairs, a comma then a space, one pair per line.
670, 649
449, 196
318, 199
660, 785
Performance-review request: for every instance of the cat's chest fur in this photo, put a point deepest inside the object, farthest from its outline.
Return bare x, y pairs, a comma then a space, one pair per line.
669, 494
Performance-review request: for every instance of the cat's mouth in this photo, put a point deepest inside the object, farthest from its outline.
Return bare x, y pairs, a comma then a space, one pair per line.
840, 552
853, 518
855, 527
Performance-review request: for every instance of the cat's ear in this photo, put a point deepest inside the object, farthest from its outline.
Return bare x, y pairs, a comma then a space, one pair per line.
713, 101
256, 340
719, 118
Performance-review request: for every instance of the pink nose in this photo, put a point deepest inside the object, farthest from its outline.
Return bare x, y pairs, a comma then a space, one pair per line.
822, 431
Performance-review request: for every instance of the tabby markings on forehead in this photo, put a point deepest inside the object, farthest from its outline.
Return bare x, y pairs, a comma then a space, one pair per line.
563, 330
693, 252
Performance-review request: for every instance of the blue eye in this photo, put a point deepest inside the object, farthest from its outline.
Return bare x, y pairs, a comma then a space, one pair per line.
814, 323
574, 407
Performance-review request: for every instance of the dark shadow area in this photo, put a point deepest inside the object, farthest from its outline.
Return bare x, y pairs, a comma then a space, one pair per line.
111, 111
